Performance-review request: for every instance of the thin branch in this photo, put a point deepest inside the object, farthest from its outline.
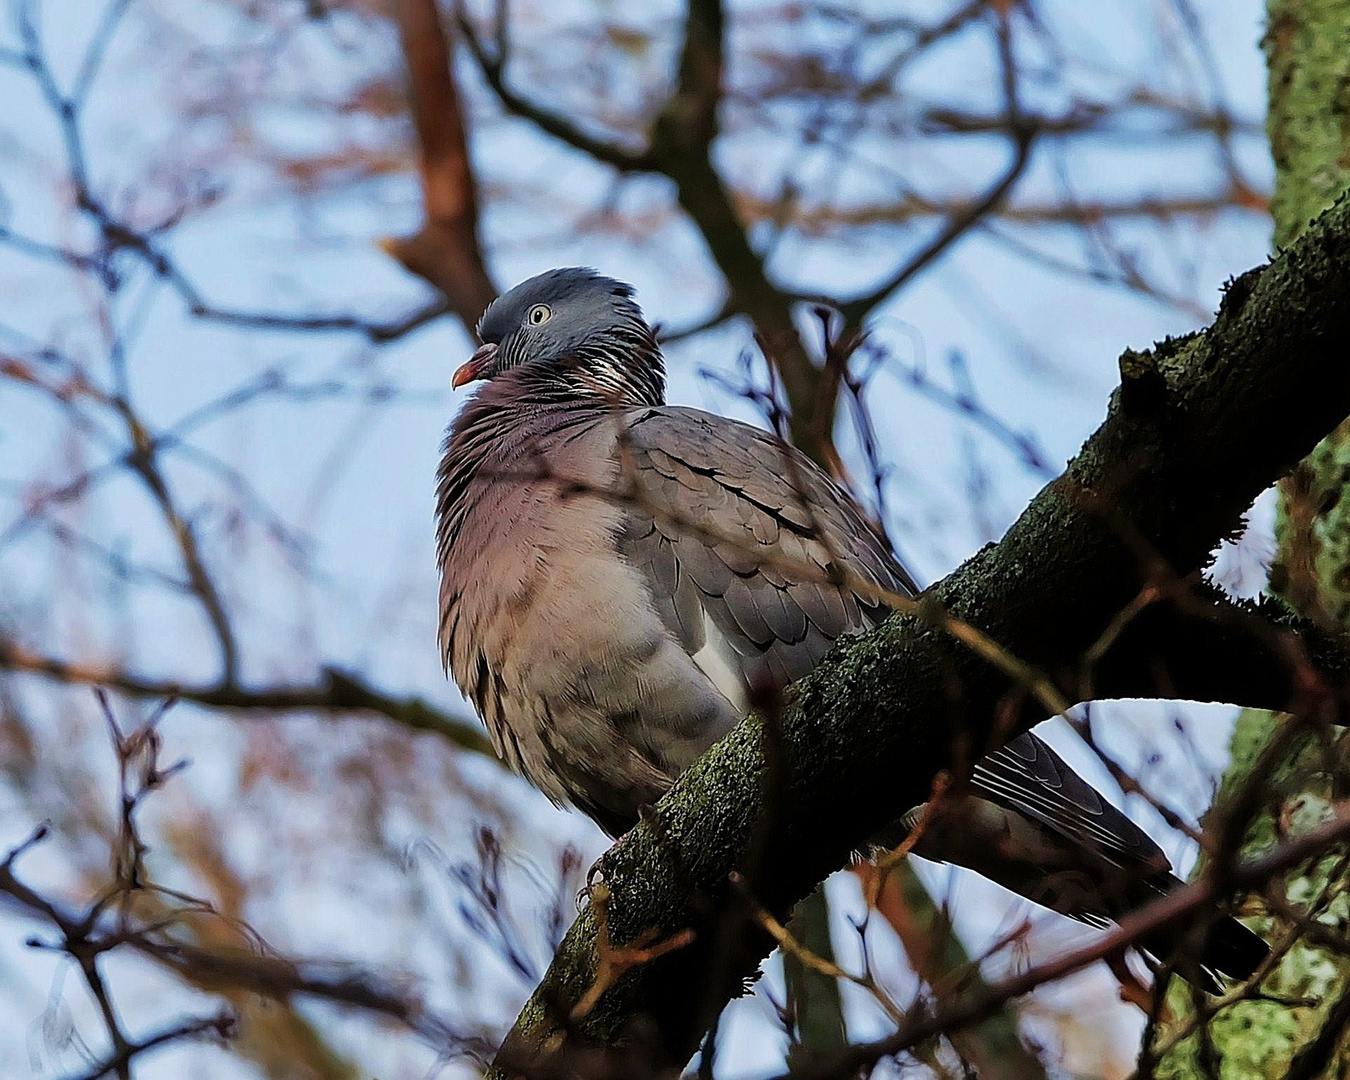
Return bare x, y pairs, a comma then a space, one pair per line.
557, 125
219, 1026
336, 692
117, 236
1023, 133
281, 978
1176, 907
143, 459
824, 219
96, 50
129, 915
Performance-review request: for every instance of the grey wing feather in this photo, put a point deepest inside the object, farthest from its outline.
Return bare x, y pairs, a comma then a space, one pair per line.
770, 549
757, 539
1026, 776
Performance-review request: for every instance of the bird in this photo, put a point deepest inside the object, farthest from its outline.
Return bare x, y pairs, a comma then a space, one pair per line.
618, 576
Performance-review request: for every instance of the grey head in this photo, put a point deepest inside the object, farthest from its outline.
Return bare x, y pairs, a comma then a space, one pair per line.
576, 331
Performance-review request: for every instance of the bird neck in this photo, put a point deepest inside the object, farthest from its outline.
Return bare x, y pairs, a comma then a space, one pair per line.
516, 410
620, 368
498, 434
623, 368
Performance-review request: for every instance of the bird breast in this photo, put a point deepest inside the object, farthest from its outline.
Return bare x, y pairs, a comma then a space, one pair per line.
555, 639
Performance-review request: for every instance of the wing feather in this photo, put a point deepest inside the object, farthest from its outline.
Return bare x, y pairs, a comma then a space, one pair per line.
1028, 777
773, 548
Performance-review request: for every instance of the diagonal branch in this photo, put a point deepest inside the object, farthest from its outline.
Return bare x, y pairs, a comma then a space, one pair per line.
935, 953
1023, 133
1168, 910
551, 123
1166, 476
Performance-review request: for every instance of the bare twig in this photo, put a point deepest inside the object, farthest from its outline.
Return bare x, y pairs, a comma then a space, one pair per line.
337, 692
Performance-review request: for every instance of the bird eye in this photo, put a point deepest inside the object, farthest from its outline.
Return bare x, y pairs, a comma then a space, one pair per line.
539, 314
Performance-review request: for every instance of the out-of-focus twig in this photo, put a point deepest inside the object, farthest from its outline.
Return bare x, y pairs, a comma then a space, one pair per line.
337, 692
133, 914
446, 250
1165, 911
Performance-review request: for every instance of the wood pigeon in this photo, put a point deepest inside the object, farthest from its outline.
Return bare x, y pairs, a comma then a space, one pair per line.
618, 573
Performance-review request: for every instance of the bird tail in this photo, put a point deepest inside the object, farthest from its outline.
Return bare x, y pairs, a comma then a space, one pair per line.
1231, 951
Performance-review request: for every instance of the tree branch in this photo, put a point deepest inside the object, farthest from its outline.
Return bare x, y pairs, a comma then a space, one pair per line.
335, 692
446, 250
1168, 910
1023, 134
557, 125
1166, 476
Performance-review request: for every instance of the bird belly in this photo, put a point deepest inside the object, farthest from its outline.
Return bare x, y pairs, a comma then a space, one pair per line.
627, 710
582, 687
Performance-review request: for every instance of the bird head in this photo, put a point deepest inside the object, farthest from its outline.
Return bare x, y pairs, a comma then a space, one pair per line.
576, 320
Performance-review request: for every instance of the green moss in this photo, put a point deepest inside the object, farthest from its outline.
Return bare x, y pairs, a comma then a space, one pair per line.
1307, 46
1312, 530
1253, 1040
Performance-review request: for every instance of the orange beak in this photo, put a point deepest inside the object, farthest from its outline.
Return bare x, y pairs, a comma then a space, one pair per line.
477, 365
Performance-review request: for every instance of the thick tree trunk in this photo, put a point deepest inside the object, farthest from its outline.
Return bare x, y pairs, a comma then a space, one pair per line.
1308, 49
